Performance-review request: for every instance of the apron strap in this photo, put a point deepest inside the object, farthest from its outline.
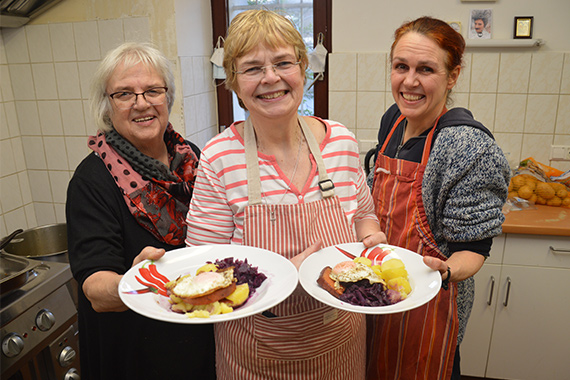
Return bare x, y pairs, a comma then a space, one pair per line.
252, 162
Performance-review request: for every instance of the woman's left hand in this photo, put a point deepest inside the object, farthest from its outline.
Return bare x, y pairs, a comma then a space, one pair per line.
374, 239
462, 265
436, 264
298, 260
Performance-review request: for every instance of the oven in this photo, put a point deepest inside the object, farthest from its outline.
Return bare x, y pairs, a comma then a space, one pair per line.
39, 334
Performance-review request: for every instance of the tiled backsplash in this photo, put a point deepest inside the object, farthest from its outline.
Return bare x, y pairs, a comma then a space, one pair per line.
523, 98
45, 73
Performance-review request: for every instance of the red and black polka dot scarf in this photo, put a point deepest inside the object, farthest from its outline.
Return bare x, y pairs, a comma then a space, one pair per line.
157, 196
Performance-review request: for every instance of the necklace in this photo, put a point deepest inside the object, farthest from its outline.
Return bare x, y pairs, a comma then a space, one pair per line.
273, 218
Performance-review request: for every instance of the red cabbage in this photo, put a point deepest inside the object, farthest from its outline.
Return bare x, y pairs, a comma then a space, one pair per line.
363, 293
243, 272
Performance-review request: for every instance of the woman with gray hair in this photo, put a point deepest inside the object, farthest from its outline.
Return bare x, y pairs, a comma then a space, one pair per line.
126, 203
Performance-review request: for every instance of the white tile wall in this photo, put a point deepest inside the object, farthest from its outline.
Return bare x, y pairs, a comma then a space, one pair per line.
523, 97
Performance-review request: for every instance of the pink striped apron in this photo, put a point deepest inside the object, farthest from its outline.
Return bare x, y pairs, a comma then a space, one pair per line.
300, 338
418, 344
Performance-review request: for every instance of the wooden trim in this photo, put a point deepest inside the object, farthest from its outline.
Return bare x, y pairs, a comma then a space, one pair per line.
322, 16
224, 96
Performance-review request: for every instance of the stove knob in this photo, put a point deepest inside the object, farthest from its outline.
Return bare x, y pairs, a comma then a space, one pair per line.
45, 320
12, 345
72, 374
66, 356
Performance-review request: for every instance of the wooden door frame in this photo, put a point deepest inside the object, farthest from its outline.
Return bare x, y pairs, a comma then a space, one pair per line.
322, 23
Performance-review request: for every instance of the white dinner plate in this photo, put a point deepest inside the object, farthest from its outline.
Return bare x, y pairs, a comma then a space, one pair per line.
282, 278
424, 281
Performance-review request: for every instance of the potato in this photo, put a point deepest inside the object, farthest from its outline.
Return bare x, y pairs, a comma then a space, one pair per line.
239, 296
207, 268
363, 260
393, 268
400, 284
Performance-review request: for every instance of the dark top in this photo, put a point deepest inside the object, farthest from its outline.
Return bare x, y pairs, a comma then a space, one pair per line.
412, 150
104, 236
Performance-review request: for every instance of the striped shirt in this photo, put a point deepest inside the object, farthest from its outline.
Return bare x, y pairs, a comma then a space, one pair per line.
220, 192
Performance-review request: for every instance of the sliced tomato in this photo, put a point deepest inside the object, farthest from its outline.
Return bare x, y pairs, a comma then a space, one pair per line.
377, 255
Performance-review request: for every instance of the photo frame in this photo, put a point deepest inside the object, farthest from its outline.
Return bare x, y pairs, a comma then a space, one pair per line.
523, 27
455, 25
480, 24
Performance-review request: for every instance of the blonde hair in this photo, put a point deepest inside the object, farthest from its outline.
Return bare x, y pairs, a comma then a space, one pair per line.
252, 28
129, 54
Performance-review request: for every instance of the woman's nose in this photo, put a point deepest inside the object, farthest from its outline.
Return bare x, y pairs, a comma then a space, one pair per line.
270, 75
411, 79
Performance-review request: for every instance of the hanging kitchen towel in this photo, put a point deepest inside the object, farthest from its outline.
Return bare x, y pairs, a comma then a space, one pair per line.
217, 60
318, 60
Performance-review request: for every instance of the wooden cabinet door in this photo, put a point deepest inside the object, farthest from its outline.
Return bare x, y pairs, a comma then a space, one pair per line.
531, 334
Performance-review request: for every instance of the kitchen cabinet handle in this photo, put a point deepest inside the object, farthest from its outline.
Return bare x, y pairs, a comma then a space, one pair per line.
491, 292
560, 251
508, 292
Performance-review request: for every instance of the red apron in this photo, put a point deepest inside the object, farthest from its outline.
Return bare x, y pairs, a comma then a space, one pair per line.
306, 339
420, 343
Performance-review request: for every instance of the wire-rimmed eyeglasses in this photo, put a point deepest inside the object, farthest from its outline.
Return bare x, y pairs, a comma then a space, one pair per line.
281, 68
127, 99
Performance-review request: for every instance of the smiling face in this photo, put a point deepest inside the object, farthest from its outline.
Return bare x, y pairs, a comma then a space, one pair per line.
420, 80
143, 125
479, 26
273, 95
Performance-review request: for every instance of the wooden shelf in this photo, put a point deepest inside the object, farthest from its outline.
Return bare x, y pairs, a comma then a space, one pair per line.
491, 43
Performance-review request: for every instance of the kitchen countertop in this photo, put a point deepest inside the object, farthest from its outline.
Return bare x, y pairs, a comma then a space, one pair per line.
544, 220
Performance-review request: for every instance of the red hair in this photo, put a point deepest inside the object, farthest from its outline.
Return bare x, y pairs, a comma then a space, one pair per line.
438, 31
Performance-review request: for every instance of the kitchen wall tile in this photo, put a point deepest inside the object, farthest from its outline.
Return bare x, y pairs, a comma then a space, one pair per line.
3, 59
16, 45
62, 42
4, 129
511, 144
565, 86
342, 108
514, 72
484, 72
369, 109
368, 134
459, 99
190, 116
86, 73
110, 34
45, 213
511, 109
483, 108
30, 214
187, 76
34, 152
19, 157
90, 127
546, 73
12, 118
371, 71
77, 150
541, 113
44, 81
50, 118
58, 181
39, 43
136, 29
388, 73
56, 156
202, 73
25, 187
28, 118
11, 194
7, 164
563, 116
16, 219
59, 209
3, 230
22, 82
342, 72
72, 117
67, 77
203, 116
561, 140
39, 186
464, 82
86, 40
200, 138
6, 84
534, 146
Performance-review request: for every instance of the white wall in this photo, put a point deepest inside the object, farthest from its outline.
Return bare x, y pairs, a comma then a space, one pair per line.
368, 25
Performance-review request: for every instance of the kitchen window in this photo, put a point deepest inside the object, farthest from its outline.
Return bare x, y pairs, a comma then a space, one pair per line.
311, 18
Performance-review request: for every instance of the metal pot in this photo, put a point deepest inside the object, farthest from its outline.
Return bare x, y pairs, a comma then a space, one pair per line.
14, 272
47, 243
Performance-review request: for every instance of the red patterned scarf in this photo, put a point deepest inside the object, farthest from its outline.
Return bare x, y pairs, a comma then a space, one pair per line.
157, 196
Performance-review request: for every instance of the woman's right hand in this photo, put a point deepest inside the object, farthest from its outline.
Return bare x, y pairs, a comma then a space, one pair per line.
102, 288
298, 260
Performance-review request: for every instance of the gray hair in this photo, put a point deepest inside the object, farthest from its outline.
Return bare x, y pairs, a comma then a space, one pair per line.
129, 54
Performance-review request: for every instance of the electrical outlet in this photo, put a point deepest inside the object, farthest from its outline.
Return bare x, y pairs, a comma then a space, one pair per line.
559, 153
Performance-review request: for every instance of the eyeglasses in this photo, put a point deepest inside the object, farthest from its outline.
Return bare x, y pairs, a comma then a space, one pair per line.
282, 68
127, 99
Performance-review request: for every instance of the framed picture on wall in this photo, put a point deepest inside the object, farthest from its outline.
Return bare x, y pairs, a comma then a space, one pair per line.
456, 25
523, 27
480, 23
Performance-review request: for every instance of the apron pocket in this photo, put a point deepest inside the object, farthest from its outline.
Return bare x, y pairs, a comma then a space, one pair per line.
305, 335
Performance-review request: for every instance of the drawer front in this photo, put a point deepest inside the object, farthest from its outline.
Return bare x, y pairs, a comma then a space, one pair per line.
537, 250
